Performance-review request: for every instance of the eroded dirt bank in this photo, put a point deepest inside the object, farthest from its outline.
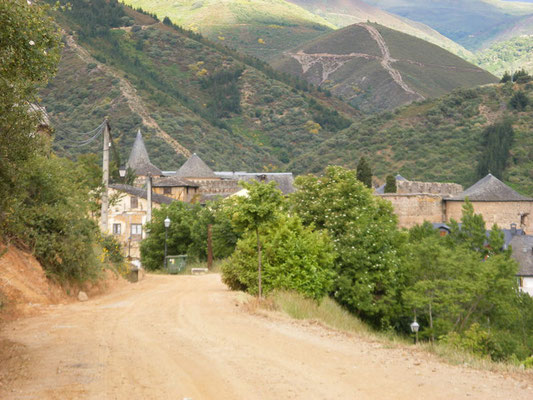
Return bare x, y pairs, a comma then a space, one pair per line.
189, 337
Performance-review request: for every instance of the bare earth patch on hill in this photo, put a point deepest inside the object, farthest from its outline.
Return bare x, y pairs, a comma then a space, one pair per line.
171, 337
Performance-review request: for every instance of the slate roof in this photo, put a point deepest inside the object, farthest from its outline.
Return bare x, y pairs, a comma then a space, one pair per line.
194, 167
285, 180
489, 188
139, 161
173, 181
523, 253
156, 198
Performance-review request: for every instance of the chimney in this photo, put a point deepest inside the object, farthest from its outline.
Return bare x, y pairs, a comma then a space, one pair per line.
513, 229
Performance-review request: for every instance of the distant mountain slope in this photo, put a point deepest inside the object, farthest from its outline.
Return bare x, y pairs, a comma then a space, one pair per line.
348, 12
434, 140
263, 28
511, 55
182, 91
376, 68
471, 23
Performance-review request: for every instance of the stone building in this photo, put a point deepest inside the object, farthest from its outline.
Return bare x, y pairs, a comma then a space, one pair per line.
497, 202
416, 202
127, 216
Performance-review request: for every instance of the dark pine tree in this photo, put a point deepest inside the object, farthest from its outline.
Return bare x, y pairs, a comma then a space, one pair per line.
390, 184
364, 172
496, 144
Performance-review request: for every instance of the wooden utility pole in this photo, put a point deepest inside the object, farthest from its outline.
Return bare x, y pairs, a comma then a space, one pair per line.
209, 246
105, 179
149, 198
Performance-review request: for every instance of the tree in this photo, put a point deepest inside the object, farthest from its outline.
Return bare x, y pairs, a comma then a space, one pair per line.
296, 258
365, 236
181, 236
506, 77
496, 145
260, 207
390, 184
364, 172
519, 101
29, 53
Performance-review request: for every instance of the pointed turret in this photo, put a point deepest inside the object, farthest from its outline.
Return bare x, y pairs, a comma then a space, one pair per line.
139, 161
194, 167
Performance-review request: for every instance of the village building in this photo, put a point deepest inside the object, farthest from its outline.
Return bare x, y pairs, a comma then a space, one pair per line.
496, 202
193, 182
127, 216
439, 203
139, 162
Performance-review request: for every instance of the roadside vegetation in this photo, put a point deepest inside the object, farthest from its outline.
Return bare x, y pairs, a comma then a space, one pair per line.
45, 201
334, 241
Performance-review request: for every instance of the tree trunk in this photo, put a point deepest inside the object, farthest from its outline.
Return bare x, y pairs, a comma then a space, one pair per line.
260, 291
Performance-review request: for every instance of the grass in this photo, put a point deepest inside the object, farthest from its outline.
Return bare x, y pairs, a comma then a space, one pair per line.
333, 316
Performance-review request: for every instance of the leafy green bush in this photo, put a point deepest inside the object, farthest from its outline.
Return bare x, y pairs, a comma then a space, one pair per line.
364, 233
294, 258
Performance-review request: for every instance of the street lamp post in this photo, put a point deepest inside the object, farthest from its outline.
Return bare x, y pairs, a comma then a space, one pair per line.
414, 329
167, 224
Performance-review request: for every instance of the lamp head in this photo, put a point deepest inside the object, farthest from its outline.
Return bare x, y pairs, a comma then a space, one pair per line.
167, 222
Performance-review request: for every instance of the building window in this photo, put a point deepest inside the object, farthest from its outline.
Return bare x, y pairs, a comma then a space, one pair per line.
136, 229
134, 202
167, 190
117, 229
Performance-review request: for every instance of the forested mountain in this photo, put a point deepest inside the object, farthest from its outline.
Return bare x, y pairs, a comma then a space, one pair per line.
183, 91
510, 55
442, 139
376, 68
262, 28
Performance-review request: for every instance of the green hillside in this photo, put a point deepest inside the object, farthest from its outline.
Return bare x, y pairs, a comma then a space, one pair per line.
262, 28
435, 140
471, 23
342, 13
179, 88
511, 55
376, 68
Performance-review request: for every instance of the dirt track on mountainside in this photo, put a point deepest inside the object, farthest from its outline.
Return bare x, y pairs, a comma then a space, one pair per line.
176, 337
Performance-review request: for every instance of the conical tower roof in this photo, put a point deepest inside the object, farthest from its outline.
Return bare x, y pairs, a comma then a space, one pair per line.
139, 161
194, 167
490, 188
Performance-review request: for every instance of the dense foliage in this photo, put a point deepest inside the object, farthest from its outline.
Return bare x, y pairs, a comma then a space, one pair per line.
187, 234
497, 141
295, 258
390, 184
363, 230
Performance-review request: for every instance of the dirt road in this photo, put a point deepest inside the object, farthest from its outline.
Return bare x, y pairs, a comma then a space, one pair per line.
189, 337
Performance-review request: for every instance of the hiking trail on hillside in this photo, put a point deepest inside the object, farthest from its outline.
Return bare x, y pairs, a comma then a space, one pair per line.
176, 337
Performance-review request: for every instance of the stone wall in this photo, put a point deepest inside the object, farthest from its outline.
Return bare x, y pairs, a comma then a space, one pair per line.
216, 186
502, 213
414, 209
443, 189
